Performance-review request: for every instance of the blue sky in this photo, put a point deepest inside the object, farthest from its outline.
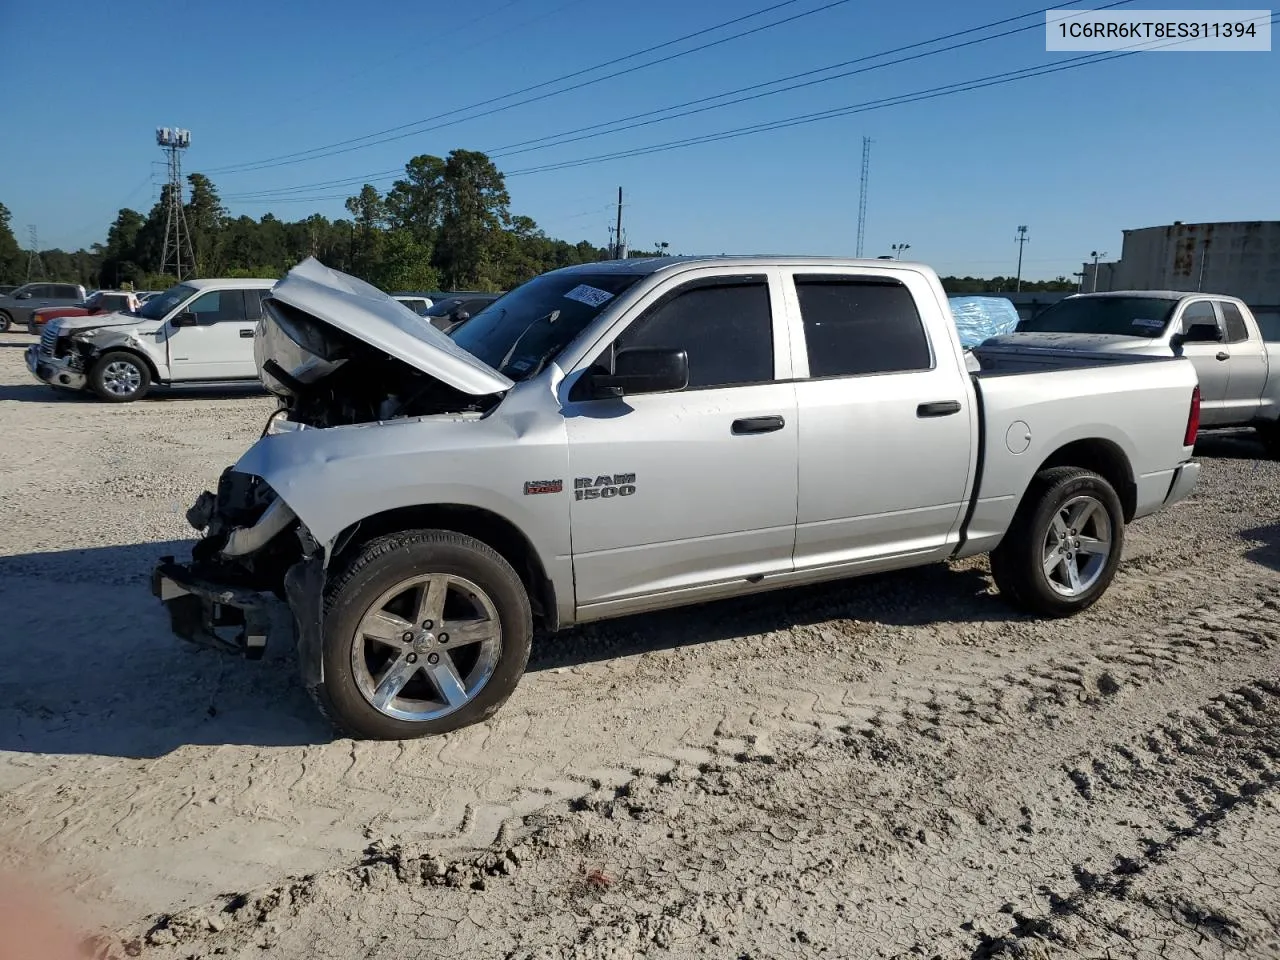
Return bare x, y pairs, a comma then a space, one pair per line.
1077, 155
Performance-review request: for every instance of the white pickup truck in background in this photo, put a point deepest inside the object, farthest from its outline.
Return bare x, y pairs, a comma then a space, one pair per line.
200, 331
1239, 371
619, 437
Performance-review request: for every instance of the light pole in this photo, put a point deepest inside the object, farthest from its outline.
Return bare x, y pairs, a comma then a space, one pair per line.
1079, 275
897, 249
1096, 256
662, 247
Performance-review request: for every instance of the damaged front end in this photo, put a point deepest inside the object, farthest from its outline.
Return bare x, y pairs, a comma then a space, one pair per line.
254, 562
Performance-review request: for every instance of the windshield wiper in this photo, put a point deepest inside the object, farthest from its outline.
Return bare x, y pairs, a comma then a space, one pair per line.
551, 317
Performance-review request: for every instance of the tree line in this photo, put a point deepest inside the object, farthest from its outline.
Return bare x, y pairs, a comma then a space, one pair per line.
445, 225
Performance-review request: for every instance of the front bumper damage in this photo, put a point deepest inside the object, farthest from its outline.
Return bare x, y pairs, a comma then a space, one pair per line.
255, 579
55, 371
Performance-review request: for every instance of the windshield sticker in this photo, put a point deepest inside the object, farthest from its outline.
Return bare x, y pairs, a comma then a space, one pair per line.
1149, 324
591, 296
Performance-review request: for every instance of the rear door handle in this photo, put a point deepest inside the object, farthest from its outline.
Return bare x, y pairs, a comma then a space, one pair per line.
938, 408
758, 425
1222, 355
246, 334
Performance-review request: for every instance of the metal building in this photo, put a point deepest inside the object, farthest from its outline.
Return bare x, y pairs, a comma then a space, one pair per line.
1238, 259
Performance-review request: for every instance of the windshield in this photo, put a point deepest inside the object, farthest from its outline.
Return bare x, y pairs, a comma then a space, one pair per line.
523, 331
1117, 316
158, 306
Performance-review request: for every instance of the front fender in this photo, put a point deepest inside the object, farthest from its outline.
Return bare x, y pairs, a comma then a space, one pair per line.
335, 477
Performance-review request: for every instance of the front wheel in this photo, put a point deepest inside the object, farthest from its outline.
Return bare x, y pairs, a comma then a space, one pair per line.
1063, 547
6, 322
424, 632
120, 377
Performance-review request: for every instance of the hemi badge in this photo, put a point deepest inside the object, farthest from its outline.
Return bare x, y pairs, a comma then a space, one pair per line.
542, 486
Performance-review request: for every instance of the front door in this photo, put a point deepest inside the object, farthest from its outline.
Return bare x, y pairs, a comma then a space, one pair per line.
695, 489
220, 345
1212, 362
887, 428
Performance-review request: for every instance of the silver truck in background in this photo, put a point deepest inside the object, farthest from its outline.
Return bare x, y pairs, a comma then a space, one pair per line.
1239, 371
621, 437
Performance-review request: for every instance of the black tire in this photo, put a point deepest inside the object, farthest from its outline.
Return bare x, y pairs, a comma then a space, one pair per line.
1018, 563
106, 385
378, 568
6, 322
32, 328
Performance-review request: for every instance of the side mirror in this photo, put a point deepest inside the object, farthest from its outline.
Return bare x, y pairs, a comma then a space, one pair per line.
23, 296
643, 370
460, 316
1198, 333
185, 319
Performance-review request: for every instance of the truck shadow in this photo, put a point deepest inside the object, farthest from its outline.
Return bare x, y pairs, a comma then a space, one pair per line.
42, 393
1267, 551
91, 666
1231, 445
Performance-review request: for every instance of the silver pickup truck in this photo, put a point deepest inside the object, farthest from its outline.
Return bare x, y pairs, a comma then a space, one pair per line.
626, 436
1239, 382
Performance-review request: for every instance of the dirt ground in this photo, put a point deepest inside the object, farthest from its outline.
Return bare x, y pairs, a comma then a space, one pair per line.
894, 767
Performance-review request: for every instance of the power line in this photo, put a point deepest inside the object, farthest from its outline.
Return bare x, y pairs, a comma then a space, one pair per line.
385, 136
568, 136
803, 119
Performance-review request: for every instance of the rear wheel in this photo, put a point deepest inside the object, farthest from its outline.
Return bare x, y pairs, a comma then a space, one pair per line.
119, 377
424, 632
1063, 547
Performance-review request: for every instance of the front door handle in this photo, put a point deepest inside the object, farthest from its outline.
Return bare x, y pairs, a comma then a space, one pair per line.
1222, 355
938, 408
246, 334
758, 425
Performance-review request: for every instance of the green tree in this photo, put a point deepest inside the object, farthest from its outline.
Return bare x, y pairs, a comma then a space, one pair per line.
370, 213
475, 213
205, 217
12, 266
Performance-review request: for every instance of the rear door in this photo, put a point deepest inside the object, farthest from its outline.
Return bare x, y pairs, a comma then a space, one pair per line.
1248, 366
886, 425
220, 345
692, 490
1212, 361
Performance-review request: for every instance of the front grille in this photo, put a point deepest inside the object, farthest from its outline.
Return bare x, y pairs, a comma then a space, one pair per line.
48, 339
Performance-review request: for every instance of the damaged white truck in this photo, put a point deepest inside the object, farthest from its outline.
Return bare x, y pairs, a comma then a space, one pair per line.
620, 437
197, 332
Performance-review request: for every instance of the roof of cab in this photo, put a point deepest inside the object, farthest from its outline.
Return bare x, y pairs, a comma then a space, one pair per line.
250, 283
650, 265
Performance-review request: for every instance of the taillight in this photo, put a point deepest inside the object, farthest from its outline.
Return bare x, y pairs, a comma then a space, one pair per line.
1193, 419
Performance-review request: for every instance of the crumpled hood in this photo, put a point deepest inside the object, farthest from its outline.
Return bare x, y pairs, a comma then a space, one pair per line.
363, 311
1085, 342
69, 324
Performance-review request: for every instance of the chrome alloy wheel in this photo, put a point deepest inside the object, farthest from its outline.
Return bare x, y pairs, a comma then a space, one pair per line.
121, 378
426, 647
1077, 546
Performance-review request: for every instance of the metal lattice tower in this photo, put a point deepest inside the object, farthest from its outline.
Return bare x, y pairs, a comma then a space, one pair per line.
177, 252
35, 266
862, 193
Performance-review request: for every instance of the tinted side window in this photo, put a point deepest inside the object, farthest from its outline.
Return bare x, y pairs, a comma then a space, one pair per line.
253, 303
68, 292
726, 330
219, 306
1201, 311
856, 326
45, 291
1237, 332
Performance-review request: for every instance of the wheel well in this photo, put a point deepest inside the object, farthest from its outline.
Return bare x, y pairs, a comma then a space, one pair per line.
1105, 459
151, 367
485, 525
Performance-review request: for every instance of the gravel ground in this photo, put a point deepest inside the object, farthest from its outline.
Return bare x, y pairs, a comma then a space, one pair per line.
897, 766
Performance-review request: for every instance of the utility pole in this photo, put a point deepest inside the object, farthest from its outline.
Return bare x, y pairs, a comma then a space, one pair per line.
34, 263
1022, 239
862, 194
617, 250
1096, 256
177, 250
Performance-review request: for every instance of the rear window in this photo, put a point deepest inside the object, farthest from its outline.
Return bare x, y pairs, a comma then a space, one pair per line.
1114, 316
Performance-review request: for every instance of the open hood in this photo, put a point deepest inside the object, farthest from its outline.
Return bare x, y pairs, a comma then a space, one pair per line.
361, 310
82, 322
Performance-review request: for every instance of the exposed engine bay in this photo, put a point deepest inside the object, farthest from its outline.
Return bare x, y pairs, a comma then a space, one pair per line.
326, 378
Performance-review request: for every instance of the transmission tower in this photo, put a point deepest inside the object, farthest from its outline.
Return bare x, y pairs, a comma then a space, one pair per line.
862, 193
178, 252
35, 266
